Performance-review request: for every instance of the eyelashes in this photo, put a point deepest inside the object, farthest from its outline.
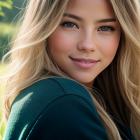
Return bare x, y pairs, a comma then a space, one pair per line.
106, 28
71, 25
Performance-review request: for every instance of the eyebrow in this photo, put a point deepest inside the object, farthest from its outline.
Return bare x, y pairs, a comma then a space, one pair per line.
98, 21
106, 20
72, 16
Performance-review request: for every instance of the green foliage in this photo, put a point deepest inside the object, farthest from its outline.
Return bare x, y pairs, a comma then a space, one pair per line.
5, 3
2, 124
12, 15
6, 33
2, 128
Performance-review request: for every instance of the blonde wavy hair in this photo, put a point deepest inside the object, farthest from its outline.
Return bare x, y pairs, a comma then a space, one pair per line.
119, 83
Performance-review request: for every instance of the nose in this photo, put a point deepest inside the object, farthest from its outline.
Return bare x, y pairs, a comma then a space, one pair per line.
87, 43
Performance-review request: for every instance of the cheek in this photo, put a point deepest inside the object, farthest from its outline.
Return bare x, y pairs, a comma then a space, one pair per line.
109, 47
61, 42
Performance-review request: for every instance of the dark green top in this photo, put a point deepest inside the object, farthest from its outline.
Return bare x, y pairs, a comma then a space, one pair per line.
54, 109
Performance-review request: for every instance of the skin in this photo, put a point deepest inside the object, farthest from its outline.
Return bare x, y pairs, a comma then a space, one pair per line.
85, 37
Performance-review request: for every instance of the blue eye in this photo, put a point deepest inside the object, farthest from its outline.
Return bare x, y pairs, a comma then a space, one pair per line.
106, 28
69, 24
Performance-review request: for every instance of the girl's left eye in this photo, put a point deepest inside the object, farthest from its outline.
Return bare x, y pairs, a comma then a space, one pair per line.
69, 24
106, 28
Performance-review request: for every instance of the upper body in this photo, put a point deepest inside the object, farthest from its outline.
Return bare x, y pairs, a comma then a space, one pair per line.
93, 42
56, 108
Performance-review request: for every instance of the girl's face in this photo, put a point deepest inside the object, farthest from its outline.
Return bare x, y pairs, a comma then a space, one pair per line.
86, 40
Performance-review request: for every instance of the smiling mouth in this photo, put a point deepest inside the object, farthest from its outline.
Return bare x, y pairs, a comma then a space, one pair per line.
84, 63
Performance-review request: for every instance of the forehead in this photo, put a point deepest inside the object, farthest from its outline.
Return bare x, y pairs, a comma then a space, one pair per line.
95, 8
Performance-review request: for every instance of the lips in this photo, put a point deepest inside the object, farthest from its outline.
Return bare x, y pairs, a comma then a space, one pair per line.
84, 63
84, 60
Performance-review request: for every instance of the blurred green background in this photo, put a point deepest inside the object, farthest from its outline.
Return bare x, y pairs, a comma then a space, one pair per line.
9, 15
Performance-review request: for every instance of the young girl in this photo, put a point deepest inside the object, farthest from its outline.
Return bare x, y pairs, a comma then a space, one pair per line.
74, 72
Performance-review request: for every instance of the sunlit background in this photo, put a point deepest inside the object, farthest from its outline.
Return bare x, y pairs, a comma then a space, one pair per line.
9, 16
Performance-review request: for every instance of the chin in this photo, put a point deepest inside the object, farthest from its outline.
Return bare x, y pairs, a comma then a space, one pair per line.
85, 81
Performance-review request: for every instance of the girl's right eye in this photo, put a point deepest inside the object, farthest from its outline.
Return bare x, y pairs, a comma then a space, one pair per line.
69, 24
